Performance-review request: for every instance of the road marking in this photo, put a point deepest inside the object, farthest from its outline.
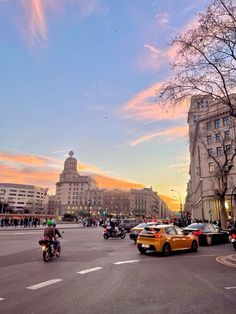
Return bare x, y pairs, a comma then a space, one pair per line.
82, 272
43, 284
222, 260
125, 262
20, 233
1, 299
229, 288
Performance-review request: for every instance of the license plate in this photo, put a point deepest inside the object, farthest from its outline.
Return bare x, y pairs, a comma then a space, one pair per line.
146, 245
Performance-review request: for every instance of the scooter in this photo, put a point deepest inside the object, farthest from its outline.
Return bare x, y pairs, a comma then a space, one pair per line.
47, 248
114, 233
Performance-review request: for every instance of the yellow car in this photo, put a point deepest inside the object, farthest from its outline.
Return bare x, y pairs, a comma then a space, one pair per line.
165, 239
135, 231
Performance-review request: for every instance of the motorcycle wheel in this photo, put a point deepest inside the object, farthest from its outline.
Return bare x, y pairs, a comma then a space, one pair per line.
105, 236
46, 256
123, 235
234, 245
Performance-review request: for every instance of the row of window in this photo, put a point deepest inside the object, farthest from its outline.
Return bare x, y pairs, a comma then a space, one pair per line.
218, 137
219, 150
216, 124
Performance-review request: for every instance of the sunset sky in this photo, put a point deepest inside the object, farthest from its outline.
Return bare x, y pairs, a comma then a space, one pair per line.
82, 75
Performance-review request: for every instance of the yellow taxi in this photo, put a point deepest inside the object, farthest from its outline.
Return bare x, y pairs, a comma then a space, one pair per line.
135, 231
165, 239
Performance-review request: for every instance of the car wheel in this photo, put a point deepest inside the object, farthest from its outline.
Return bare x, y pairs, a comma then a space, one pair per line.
194, 246
209, 240
166, 250
142, 250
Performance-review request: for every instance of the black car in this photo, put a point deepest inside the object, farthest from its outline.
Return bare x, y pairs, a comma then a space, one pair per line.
208, 233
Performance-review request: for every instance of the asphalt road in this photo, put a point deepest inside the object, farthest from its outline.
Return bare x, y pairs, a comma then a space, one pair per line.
94, 275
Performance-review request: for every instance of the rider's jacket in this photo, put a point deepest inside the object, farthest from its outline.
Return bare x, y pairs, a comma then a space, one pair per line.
50, 233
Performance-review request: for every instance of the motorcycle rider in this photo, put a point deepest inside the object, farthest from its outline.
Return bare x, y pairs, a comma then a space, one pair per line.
50, 233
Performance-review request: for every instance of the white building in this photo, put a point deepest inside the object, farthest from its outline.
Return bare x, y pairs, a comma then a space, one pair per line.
21, 197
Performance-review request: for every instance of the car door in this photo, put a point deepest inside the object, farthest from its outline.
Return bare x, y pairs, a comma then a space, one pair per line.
172, 237
184, 240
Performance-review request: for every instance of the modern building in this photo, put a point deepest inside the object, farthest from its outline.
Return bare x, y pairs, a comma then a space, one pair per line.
24, 198
212, 150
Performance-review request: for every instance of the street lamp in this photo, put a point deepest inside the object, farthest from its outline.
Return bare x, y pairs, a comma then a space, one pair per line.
181, 211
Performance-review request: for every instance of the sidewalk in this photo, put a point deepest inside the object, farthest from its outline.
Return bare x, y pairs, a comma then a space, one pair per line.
59, 226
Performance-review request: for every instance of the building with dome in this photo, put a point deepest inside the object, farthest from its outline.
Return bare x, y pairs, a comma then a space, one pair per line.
76, 193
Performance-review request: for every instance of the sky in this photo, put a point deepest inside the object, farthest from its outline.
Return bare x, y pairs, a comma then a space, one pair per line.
82, 75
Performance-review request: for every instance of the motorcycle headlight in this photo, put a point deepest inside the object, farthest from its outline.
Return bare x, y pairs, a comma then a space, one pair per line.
43, 248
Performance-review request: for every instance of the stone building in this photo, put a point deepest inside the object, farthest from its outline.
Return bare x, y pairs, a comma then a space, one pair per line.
212, 148
79, 194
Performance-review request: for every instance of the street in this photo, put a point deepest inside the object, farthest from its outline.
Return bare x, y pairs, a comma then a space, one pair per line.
94, 275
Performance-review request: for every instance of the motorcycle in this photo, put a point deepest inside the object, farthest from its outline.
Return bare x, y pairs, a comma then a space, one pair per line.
47, 248
114, 233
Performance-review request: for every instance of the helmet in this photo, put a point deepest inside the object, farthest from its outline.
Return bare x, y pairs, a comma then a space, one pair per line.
49, 223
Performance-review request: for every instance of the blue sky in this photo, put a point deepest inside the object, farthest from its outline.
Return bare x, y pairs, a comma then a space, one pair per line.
81, 75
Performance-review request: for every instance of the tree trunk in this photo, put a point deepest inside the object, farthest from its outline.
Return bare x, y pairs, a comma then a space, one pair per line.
223, 215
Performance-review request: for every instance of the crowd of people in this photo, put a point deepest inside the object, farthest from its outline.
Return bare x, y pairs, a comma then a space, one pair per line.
20, 222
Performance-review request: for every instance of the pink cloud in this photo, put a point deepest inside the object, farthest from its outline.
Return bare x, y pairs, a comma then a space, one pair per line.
170, 134
143, 107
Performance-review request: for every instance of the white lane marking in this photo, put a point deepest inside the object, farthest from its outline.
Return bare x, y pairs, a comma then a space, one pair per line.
124, 262
1, 299
82, 272
43, 284
20, 233
229, 288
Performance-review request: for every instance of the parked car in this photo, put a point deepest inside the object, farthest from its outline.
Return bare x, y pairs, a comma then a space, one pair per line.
129, 223
165, 239
208, 233
135, 231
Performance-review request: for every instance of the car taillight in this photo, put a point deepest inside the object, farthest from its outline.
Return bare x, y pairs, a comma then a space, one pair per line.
197, 232
157, 235
234, 236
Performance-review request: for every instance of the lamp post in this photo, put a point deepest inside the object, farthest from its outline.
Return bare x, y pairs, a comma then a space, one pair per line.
180, 203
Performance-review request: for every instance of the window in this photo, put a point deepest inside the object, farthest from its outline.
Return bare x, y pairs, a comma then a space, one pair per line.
217, 136
170, 231
210, 152
209, 126
227, 135
217, 124
219, 151
209, 140
226, 121
228, 149
211, 167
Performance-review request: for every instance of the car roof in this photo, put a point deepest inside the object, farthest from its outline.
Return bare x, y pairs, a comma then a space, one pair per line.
160, 226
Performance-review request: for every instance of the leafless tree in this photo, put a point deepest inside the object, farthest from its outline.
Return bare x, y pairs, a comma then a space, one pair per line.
205, 61
223, 164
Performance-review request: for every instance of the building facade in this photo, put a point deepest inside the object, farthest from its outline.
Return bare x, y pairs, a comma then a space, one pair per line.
212, 148
78, 194
24, 198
